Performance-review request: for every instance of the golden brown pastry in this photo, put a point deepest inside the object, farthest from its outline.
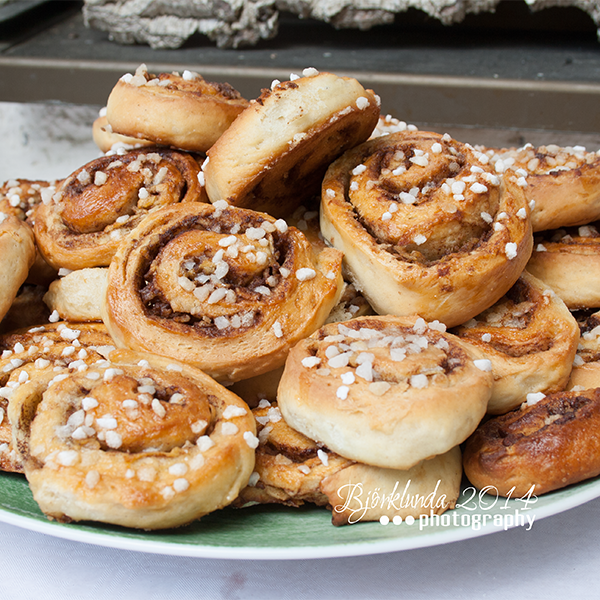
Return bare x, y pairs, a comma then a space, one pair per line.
548, 444
183, 111
274, 156
386, 391
585, 373
109, 141
531, 339
78, 296
424, 225
568, 260
139, 441
98, 205
563, 182
27, 354
292, 469
226, 289
17, 254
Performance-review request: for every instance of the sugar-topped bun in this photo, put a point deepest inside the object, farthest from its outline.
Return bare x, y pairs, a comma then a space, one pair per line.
183, 111
386, 391
275, 154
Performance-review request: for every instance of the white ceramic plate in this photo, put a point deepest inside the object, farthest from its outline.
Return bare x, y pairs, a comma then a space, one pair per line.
277, 532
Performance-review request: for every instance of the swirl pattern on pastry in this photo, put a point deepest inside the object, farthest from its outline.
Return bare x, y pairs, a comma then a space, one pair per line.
292, 469
548, 444
531, 339
30, 353
228, 290
274, 156
563, 182
386, 391
98, 205
424, 225
140, 441
182, 111
568, 260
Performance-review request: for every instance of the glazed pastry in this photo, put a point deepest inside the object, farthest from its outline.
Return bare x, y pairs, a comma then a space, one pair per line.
31, 353
386, 391
98, 205
138, 441
568, 260
563, 182
275, 154
425, 227
181, 111
548, 444
292, 469
78, 296
17, 254
225, 289
109, 141
531, 339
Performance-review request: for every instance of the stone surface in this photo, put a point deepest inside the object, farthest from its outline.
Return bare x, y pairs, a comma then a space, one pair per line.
239, 23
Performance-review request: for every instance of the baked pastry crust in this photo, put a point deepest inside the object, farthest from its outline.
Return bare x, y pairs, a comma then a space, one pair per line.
568, 260
542, 447
78, 296
385, 391
274, 156
149, 444
292, 469
182, 111
562, 182
17, 254
531, 339
109, 141
585, 373
424, 227
98, 205
226, 289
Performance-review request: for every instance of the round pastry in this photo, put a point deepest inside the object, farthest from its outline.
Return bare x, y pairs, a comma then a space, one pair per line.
568, 260
550, 443
109, 141
78, 296
182, 111
275, 154
98, 205
31, 353
386, 391
531, 339
425, 227
140, 441
226, 289
292, 469
563, 182
17, 254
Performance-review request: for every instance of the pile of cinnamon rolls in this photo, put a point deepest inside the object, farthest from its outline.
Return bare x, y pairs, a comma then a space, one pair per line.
295, 299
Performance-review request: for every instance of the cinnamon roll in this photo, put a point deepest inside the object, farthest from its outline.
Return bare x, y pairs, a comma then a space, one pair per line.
292, 469
27, 354
274, 156
568, 260
182, 111
585, 373
139, 441
109, 141
17, 255
225, 289
426, 228
550, 443
563, 182
386, 391
98, 205
531, 339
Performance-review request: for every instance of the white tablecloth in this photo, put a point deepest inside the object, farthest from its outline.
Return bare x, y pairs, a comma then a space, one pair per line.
558, 558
